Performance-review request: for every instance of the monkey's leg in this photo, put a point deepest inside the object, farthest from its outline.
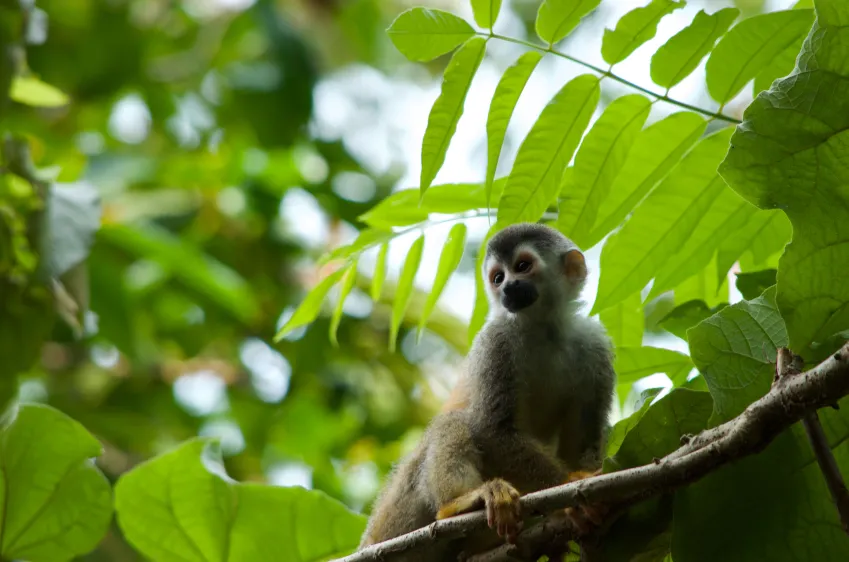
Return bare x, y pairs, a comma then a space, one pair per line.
501, 500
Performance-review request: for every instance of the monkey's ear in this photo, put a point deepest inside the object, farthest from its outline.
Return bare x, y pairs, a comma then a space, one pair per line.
574, 266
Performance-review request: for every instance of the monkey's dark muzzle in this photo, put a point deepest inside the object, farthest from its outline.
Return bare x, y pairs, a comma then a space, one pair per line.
517, 295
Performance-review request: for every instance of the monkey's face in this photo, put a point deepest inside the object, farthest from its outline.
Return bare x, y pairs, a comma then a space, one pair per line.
514, 283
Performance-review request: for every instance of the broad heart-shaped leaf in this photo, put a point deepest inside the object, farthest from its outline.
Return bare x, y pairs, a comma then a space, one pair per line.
405, 288
452, 252
681, 54
597, 163
30, 90
635, 28
634, 363
765, 233
379, 273
182, 506
735, 351
727, 214
662, 223
791, 152
556, 18
56, 503
311, 305
348, 279
448, 107
534, 181
686, 315
501, 108
625, 322
73, 218
486, 12
422, 34
751, 285
750, 47
657, 149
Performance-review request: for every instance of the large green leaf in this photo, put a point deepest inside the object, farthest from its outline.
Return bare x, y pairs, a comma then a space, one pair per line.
486, 12
657, 149
448, 107
634, 363
780, 66
405, 288
311, 305
597, 163
662, 223
635, 28
556, 18
501, 109
681, 54
182, 506
750, 47
765, 233
625, 322
735, 351
791, 153
196, 270
422, 34
348, 279
56, 503
533, 183
452, 252
686, 315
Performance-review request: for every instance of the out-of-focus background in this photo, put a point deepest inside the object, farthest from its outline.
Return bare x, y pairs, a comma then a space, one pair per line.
232, 142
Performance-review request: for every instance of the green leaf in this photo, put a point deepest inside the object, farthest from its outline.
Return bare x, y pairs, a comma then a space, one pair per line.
727, 214
30, 90
790, 153
634, 363
188, 264
556, 18
684, 316
379, 273
348, 279
56, 503
600, 158
735, 351
182, 506
625, 322
750, 47
766, 233
662, 223
501, 109
779, 67
448, 107
452, 252
486, 12
73, 218
704, 286
405, 289
657, 149
534, 181
635, 28
625, 425
422, 34
311, 305
368, 238
752, 285
681, 54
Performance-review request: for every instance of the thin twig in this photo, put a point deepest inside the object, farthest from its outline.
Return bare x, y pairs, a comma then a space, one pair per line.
747, 434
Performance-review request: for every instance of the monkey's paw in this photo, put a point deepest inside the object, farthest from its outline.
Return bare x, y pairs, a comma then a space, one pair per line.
586, 517
501, 501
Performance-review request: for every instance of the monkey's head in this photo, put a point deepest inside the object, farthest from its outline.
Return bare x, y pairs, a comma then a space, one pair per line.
530, 264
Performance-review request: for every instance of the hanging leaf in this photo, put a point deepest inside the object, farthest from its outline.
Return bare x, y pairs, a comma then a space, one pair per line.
657, 149
405, 289
750, 47
534, 181
311, 306
662, 223
635, 28
600, 158
30, 90
683, 52
556, 18
379, 273
448, 107
348, 279
501, 109
422, 34
452, 252
486, 12
625, 322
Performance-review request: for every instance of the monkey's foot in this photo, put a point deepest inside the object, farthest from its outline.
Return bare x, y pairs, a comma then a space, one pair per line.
586, 517
501, 501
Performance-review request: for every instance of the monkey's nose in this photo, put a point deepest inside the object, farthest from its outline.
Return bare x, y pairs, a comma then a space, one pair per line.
517, 295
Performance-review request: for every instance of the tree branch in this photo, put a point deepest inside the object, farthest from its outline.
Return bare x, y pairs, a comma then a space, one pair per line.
788, 401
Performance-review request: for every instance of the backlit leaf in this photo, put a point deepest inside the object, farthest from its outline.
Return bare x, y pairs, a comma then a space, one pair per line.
486, 12
379, 273
704, 286
556, 18
452, 252
448, 107
534, 181
348, 279
422, 34
30, 90
686, 315
766, 232
634, 363
311, 305
635, 28
625, 322
405, 288
780, 66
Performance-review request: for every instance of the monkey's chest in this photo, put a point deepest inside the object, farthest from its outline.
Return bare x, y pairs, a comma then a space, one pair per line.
548, 398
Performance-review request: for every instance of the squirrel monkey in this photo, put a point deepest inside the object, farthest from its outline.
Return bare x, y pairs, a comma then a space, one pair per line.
531, 411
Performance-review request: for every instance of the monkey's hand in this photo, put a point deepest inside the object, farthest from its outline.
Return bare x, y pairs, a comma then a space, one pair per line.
501, 500
586, 517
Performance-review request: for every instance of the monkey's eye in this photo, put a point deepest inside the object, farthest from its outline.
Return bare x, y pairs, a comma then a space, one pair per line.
523, 266
497, 278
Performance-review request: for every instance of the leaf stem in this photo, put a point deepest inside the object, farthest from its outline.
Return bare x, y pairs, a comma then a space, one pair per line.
663, 97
